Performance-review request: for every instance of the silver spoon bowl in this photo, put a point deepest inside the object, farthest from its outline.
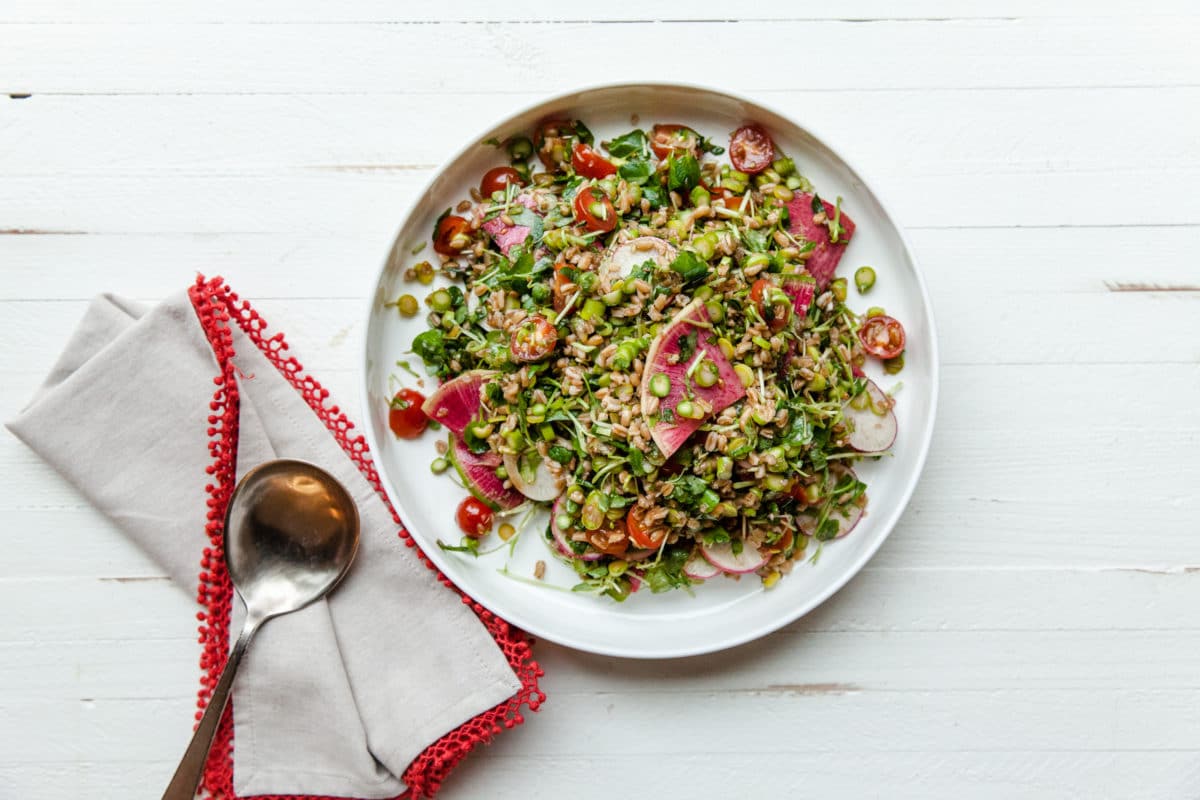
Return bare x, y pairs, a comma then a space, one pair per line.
291, 532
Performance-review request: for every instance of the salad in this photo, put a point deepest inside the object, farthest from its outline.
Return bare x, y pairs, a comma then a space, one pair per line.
651, 342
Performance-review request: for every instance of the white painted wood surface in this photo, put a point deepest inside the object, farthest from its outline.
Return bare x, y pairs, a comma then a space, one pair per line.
1030, 630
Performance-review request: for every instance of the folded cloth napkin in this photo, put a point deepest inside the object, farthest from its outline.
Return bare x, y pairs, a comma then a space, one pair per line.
384, 685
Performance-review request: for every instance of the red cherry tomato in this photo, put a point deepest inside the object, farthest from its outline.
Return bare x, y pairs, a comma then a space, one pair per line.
405, 417
774, 311
559, 287
667, 139
732, 200
533, 339
751, 149
453, 233
590, 164
781, 546
497, 179
595, 210
882, 337
549, 141
474, 517
599, 540
641, 536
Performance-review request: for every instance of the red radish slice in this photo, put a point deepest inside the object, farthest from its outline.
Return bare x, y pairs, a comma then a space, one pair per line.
723, 558
823, 259
638, 555
478, 472
671, 432
621, 259
846, 516
699, 568
456, 402
537, 484
508, 236
874, 423
562, 541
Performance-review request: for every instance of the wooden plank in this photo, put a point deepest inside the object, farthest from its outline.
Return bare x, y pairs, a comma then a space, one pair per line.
245, 58
618, 11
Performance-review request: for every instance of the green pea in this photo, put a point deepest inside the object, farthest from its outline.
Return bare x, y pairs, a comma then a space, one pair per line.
818, 383
892, 366
794, 182
592, 513
745, 374
520, 148
438, 466
716, 311
587, 281
724, 468
838, 287
784, 166
407, 305
783, 193
592, 309
605, 380
660, 384
700, 196
440, 301
617, 568
688, 410
563, 521
424, 272
864, 279
776, 483
726, 347
501, 472
703, 293
875, 311
707, 373
540, 292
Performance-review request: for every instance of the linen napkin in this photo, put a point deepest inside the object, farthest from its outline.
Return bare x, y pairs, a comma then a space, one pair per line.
341, 697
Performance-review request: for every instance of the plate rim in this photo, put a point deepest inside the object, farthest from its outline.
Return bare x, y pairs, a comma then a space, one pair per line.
753, 633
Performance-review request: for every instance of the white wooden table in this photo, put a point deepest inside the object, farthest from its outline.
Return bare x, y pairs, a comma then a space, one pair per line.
1031, 629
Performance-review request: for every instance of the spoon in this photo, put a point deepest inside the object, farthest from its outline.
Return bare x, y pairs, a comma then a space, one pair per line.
291, 531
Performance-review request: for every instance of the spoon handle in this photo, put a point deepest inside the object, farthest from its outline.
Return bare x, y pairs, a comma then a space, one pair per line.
187, 775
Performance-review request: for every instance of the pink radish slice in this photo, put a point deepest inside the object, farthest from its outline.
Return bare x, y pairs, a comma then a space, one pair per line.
621, 260
802, 293
507, 236
670, 434
456, 402
823, 259
699, 568
873, 432
478, 472
562, 541
723, 558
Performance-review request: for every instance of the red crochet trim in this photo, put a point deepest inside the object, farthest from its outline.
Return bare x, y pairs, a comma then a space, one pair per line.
216, 305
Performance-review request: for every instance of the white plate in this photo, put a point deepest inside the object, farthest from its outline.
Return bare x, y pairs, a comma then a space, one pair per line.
723, 612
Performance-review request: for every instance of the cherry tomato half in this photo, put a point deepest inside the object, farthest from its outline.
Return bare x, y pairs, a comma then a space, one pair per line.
559, 287
453, 233
595, 210
667, 139
533, 339
751, 149
600, 541
405, 417
590, 164
774, 310
549, 141
474, 517
882, 336
639, 534
732, 200
497, 179
781, 546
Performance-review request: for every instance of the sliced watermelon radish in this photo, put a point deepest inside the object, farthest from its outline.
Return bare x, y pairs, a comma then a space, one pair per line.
699, 568
802, 293
531, 476
723, 558
508, 236
621, 259
689, 326
874, 422
478, 472
562, 541
846, 515
823, 259
457, 401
